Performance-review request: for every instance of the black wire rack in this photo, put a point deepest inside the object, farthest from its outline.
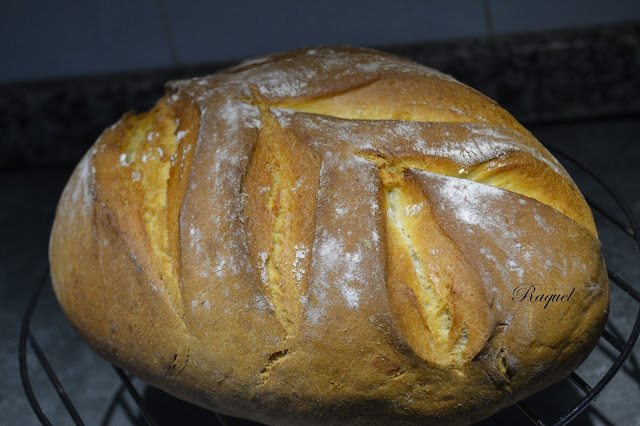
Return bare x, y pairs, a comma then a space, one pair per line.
622, 347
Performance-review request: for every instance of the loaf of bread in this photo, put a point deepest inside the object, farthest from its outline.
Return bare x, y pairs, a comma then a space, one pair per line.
330, 236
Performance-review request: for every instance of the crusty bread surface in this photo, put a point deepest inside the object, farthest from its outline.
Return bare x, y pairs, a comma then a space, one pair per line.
330, 236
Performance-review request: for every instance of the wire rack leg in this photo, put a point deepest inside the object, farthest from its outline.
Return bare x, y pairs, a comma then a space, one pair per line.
24, 368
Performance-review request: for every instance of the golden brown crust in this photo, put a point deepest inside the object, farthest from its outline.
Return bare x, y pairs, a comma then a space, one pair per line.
281, 184
330, 236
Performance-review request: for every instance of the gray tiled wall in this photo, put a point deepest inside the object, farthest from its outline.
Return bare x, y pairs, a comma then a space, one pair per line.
45, 39
541, 15
204, 30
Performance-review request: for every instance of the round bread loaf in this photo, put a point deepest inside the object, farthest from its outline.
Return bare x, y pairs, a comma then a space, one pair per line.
330, 236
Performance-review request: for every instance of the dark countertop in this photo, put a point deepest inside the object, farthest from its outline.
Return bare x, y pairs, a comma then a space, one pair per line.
608, 147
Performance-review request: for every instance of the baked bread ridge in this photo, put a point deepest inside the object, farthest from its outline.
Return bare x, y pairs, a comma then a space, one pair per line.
329, 236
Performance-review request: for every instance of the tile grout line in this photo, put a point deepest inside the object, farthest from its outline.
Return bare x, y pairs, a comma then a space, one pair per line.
173, 51
488, 18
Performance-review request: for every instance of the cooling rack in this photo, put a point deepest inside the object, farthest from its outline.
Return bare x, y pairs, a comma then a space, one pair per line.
623, 347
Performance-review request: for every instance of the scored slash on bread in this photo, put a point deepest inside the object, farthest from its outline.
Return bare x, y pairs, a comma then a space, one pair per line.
329, 236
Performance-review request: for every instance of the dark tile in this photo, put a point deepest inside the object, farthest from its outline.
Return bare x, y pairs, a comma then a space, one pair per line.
218, 31
540, 15
44, 39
